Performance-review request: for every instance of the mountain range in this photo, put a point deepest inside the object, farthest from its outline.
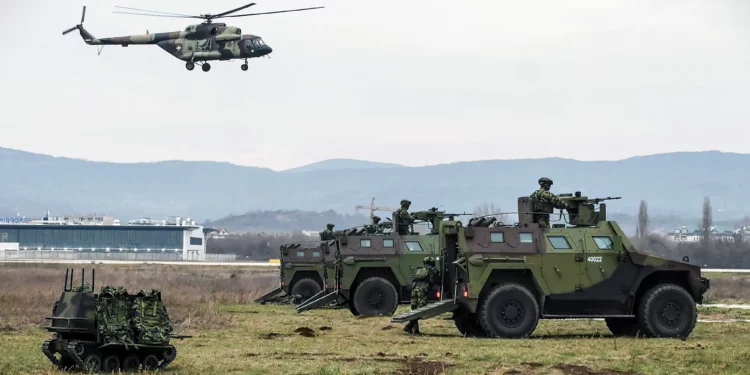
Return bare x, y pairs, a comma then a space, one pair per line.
672, 184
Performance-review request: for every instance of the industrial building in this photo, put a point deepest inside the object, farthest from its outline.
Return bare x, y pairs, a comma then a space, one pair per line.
176, 239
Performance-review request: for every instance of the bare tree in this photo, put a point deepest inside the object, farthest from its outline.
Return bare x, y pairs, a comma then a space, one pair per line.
707, 221
489, 209
641, 230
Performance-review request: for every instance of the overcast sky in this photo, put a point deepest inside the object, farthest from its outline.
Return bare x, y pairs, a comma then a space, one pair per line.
415, 82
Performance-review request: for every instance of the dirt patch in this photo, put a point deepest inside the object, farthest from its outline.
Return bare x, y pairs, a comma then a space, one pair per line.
583, 370
387, 328
270, 335
532, 364
304, 331
513, 372
416, 366
251, 355
325, 328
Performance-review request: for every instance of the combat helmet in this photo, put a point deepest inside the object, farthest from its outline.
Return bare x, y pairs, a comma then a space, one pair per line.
545, 180
376, 218
430, 261
405, 202
330, 226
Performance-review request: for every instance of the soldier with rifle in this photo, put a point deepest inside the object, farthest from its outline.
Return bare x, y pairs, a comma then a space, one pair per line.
374, 227
404, 217
328, 234
424, 278
545, 202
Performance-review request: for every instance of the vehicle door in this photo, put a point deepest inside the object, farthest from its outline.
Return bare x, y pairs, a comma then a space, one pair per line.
561, 263
601, 256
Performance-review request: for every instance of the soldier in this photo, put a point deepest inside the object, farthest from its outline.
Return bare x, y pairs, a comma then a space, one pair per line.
404, 217
545, 202
328, 234
424, 278
374, 228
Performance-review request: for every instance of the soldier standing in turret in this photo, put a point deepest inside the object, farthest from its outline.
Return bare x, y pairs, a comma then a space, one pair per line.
374, 227
404, 217
328, 234
425, 277
545, 202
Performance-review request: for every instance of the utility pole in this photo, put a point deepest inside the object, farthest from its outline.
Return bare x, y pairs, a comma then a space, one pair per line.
372, 207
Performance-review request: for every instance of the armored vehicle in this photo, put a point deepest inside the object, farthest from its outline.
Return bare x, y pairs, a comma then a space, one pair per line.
304, 270
374, 271
504, 278
109, 331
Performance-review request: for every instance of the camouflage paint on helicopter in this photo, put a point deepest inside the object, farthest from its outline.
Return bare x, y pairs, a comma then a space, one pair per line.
198, 43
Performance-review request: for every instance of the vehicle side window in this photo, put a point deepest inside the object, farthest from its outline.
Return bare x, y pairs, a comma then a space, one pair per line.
316, 254
300, 254
527, 238
603, 242
559, 242
365, 243
413, 245
497, 237
388, 243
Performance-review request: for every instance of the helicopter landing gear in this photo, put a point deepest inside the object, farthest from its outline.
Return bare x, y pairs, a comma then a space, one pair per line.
244, 67
189, 65
206, 67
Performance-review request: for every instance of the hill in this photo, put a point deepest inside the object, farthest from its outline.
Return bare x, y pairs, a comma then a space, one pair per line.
338, 164
285, 221
673, 184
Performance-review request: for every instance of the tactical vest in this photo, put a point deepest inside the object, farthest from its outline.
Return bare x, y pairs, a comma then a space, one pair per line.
540, 204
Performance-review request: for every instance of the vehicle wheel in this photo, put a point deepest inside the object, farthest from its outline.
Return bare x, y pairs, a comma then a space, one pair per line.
111, 364
92, 363
170, 354
206, 67
189, 65
509, 310
376, 296
131, 363
467, 324
150, 363
622, 326
244, 67
667, 310
306, 288
352, 308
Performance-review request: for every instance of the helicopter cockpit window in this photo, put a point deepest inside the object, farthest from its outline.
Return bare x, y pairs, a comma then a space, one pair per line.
214, 31
239, 31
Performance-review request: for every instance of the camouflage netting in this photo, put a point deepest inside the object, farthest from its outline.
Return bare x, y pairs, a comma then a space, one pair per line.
83, 288
114, 315
150, 320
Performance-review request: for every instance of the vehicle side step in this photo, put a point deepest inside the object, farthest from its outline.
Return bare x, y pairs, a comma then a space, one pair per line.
269, 295
425, 312
313, 303
312, 299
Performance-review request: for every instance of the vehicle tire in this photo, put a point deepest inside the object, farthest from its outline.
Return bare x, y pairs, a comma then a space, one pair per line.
306, 288
667, 310
150, 363
376, 296
467, 324
352, 308
510, 311
111, 364
623, 326
92, 363
131, 363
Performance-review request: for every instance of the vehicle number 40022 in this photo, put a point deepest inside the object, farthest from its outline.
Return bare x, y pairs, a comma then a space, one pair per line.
595, 259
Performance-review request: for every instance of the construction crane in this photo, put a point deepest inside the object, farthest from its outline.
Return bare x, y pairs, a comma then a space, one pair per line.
372, 207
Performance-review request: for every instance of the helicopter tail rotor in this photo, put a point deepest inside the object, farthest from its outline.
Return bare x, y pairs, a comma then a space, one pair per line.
80, 25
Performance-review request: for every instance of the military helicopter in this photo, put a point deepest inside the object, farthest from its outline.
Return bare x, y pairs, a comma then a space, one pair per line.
197, 44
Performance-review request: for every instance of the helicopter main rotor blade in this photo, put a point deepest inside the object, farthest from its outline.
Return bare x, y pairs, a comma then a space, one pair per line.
231, 11
278, 11
154, 11
83, 15
157, 15
70, 29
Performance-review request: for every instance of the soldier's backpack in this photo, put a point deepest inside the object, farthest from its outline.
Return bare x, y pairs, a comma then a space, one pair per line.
113, 315
150, 320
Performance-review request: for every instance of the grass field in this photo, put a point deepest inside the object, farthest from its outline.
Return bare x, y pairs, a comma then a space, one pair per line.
232, 335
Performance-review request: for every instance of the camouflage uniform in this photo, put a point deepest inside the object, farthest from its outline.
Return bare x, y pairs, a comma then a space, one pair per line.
424, 278
374, 228
328, 234
404, 217
545, 202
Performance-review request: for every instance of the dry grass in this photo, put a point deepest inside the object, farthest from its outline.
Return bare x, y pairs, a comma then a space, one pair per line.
735, 288
192, 294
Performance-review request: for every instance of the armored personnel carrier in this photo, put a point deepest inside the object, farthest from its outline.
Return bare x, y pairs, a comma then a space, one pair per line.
108, 331
304, 270
504, 278
373, 272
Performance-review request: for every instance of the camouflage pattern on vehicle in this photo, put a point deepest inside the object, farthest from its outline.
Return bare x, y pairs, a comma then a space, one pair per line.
374, 271
110, 331
504, 278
